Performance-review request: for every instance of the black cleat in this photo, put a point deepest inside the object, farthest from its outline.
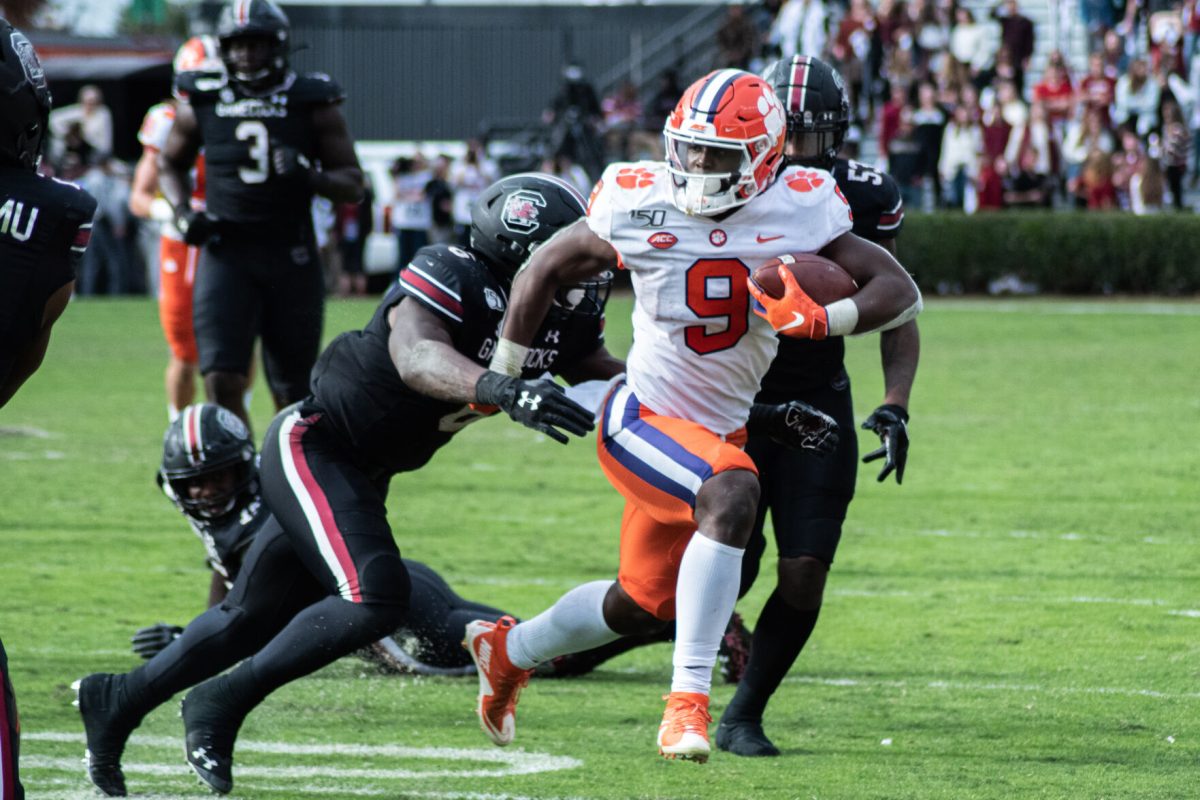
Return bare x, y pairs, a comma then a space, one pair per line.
210, 727
733, 654
98, 698
744, 738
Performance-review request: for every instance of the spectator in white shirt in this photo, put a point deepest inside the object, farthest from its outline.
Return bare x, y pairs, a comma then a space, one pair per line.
962, 142
1136, 99
93, 116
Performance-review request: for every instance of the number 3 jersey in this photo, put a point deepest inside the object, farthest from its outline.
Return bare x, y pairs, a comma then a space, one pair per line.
393, 425
240, 132
699, 352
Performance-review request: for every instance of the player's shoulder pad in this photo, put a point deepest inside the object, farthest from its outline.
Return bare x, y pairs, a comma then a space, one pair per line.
628, 183
199, 87
442, 276
316, 88
76, 202
807, 186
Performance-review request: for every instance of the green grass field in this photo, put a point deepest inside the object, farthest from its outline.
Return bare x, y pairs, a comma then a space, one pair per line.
1020, 619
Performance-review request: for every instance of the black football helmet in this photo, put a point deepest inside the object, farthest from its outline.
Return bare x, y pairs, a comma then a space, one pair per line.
516, 214
817, 107
205, 439
257, 19
24, 100
586, 298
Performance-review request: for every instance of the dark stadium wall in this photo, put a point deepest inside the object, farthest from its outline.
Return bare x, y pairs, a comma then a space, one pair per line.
447, 72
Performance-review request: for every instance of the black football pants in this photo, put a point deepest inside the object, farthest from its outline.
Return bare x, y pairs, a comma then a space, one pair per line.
10, 745
806, 495
251, 283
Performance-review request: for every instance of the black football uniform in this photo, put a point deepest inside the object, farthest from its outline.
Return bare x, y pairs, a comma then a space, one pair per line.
327, 462
356, 383
10, 737
261, 274
45, 225
808, 495
227, 539
269, 586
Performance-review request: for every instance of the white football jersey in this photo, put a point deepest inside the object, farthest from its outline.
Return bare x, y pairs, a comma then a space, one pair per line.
156, 126
699, 351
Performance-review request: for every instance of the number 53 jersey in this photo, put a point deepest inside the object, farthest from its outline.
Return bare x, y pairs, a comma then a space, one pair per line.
699, 352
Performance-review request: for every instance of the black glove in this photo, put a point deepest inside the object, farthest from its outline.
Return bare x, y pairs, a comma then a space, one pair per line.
288, 161
149, 642
890, 423
795, 424
197, 227
540, 404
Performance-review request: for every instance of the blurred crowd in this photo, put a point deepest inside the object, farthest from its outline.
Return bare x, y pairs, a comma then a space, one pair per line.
944, 96
946, 92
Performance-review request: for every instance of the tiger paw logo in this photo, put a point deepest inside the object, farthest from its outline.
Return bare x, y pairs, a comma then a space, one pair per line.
804, 181
638, 178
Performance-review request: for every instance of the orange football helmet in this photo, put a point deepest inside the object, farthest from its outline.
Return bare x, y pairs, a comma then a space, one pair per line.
198, 54
724, 141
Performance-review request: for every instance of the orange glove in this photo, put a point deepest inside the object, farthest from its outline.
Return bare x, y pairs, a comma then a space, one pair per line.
795, 314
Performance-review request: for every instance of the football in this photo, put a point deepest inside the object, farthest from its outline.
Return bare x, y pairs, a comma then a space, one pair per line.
821, 279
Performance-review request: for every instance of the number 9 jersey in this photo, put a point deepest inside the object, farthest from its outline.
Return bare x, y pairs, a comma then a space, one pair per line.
698, 352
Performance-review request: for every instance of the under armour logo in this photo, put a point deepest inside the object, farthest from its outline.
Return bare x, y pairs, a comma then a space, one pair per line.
531, 401
552, 336
201, 755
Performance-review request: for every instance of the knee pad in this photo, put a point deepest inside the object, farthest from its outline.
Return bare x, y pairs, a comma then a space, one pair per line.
385, 583
802, 581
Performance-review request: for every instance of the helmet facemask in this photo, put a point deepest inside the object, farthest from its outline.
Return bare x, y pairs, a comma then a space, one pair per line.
813, 146
586, 298
257, 70
724, 142
208, 467
225, 487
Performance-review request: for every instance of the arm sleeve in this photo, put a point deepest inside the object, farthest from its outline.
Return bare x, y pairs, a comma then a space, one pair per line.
77, 233
889, 216
601, 211
435, 281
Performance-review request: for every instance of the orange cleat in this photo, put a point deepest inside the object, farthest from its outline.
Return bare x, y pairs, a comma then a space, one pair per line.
500, 683
684, 729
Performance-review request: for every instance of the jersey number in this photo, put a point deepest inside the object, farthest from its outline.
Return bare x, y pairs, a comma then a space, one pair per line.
863, 174
255, 132
716, 289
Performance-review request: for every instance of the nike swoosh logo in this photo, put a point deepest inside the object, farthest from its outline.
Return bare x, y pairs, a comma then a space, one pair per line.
764, 239
797, 322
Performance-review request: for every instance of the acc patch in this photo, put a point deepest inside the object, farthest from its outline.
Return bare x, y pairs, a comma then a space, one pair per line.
718, 238
520, 214
662, 240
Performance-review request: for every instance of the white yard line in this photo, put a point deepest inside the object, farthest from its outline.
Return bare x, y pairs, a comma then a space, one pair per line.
1077, 307
509, 762
992, 687
1069, 536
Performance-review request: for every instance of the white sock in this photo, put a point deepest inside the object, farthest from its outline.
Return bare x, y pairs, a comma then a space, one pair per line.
709, 576
172, 413
573, 624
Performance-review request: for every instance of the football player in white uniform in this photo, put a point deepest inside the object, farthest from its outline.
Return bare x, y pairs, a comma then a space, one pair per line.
690, 230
